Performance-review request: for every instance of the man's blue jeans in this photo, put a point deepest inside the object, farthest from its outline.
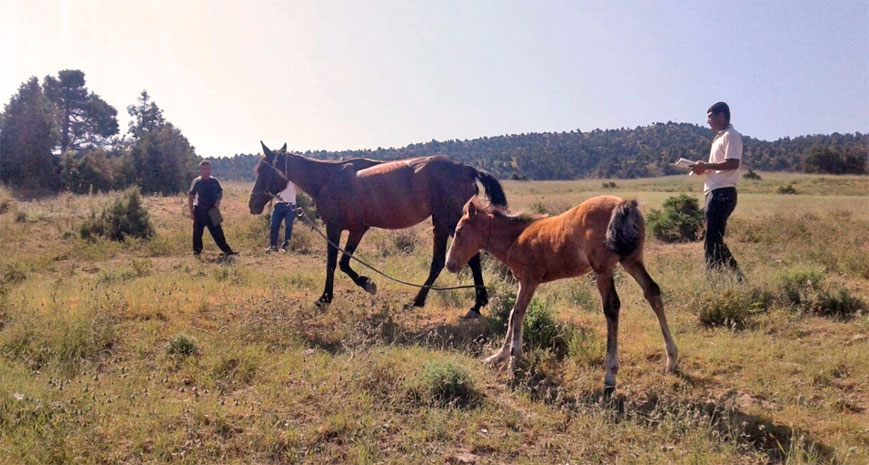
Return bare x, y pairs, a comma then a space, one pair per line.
284, 212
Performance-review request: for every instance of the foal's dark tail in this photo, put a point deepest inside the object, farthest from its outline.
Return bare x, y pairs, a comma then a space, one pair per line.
493, 188
626, 229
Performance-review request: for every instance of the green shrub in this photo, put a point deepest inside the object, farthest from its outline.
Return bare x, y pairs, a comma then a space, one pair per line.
20, 217
680, 220
443, 383
307, 204
750, 174
125, 217
731, 305
404, 241
805, 290
796, 285
542, 330
182, 345
788, 190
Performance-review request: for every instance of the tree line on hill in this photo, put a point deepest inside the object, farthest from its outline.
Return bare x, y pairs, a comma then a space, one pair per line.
645, 151
58, 135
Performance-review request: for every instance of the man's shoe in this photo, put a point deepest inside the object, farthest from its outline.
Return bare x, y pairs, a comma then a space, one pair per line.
196, 254
283, 250
271, 249
230, 253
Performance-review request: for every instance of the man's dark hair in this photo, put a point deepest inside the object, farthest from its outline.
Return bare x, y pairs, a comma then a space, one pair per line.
720, 107
204, 162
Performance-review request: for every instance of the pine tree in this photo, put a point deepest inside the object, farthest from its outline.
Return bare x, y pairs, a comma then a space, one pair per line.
26, 140
81, 117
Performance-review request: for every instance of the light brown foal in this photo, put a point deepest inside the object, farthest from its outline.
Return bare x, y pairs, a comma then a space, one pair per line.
592, 237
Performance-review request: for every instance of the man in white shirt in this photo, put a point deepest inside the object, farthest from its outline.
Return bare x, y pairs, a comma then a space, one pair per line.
722, 173
285, 211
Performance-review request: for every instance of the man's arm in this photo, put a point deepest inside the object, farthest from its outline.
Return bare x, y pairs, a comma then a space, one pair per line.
190, 204
219, 193
726, 165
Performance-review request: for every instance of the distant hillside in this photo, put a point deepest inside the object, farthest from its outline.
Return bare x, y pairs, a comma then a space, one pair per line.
645, 151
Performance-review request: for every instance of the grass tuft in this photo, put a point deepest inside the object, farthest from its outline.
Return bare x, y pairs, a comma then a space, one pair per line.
445, 384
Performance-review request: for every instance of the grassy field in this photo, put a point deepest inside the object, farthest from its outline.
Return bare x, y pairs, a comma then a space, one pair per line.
138, 352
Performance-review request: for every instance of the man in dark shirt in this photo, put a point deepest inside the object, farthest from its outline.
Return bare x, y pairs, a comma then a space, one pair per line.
204, 196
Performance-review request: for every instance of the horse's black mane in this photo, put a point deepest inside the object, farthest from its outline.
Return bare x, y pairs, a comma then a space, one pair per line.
521, 217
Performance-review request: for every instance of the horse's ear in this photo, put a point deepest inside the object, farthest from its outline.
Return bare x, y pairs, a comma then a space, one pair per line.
268, 153
284, 148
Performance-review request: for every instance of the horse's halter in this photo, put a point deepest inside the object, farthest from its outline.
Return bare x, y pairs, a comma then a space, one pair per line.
278, 172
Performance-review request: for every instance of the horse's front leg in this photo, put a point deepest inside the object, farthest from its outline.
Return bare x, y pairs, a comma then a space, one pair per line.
352, 242
438, 257
333, 233
512, 346
482, 297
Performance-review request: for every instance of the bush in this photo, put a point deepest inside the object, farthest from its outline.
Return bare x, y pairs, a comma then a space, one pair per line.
750, 174
5, 205
444, 383
788, 190
540, 329
305, 202
609, 185
730, 306
804, 290
681, 220
182, 345
125, 217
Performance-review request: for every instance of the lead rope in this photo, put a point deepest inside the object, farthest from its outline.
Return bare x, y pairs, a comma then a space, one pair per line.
300, 212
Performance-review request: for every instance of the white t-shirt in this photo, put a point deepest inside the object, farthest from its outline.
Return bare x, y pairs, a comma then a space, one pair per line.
726, 145
288, 194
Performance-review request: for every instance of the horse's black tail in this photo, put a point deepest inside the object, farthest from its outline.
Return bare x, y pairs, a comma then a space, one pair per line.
493, 188
626, 229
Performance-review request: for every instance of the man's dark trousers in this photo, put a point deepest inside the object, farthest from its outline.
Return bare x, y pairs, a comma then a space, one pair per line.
720, 203
202, 220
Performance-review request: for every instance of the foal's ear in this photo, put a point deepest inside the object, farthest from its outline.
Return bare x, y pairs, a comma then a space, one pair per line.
284, 148
472, 209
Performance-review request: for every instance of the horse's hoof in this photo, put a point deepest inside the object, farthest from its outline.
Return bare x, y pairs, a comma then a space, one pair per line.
418, 303
472, 315
370, 287
323, 302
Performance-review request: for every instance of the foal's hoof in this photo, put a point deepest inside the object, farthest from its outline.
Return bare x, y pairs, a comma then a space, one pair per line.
323, 302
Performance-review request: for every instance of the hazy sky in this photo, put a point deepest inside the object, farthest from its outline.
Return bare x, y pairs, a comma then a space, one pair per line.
354, 74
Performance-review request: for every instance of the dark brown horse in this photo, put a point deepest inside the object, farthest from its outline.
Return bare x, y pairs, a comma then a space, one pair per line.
359, 194
593, 237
